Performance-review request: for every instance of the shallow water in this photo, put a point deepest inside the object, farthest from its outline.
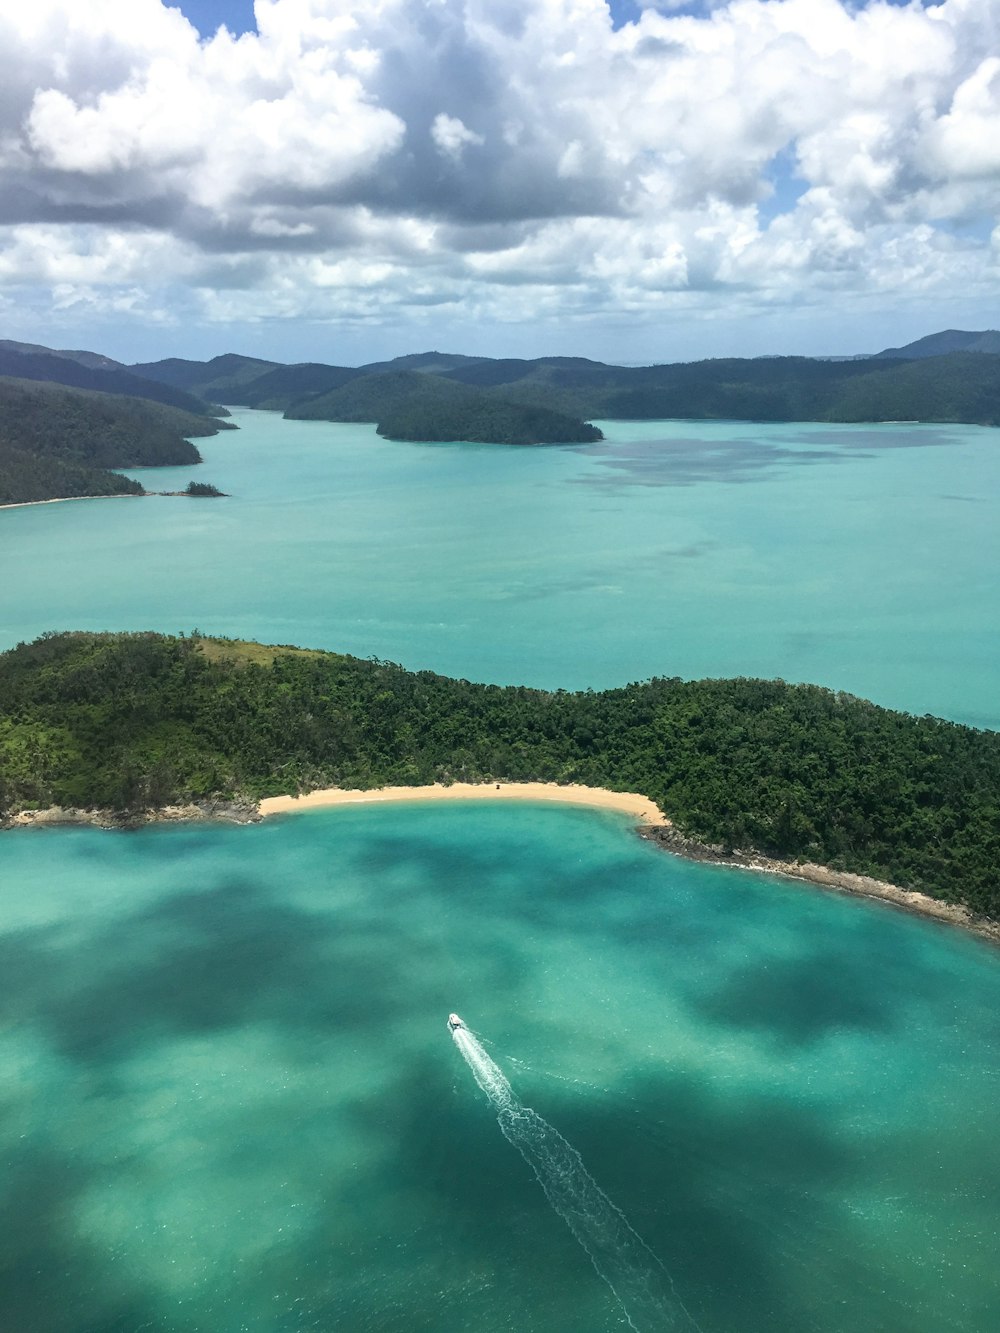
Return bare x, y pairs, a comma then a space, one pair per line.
230, 1099
864, 558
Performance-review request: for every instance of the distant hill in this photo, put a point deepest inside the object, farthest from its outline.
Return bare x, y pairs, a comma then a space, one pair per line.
69, 369
368, 397
93, 360
57, 442
418, 405
279, 388
212, 380
949, 340
770, 388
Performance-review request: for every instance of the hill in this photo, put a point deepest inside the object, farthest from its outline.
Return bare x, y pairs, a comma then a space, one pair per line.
420, 405
59, 442
78, 371
948, 340
771, 388
128, 722
214, 380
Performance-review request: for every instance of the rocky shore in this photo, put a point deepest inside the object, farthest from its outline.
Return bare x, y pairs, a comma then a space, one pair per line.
56, 816
842, 881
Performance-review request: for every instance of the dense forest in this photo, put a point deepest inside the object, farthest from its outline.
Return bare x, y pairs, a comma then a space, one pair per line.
57, 442
128, 722
26, 478
952, 376
419, 405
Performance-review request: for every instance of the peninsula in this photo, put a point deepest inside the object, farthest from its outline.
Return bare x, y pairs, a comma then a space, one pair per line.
808, 779
59, 442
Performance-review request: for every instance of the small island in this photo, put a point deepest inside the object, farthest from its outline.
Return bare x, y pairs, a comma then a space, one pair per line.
197, 490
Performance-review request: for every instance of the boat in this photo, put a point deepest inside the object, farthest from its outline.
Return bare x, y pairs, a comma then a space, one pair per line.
454, 1022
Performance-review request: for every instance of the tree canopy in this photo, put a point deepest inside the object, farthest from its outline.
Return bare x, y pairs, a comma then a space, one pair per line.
131, 721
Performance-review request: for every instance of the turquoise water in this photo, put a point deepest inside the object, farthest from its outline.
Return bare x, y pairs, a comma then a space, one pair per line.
864, 558
230, 1100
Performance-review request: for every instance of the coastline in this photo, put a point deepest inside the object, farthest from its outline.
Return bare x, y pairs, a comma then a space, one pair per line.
652, 825
69, 499
823, 877
641, 808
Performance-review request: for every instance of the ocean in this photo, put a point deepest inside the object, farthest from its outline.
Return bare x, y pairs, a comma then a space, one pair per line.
229, 1098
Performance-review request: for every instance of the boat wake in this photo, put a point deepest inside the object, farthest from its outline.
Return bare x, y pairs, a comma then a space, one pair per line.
639, 1281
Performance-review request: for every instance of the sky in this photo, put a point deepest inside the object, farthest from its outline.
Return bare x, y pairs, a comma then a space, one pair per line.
645, 180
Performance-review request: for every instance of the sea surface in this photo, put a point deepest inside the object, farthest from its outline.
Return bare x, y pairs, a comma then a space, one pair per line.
230, 1100
866, 558
228, 1096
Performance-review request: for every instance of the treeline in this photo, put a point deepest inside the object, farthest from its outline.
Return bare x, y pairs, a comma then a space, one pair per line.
133, 721
25, 478
415, 405
419, 397
59, 442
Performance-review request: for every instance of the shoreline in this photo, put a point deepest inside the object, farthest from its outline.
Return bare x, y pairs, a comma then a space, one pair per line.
69, 499
641, 808
651, 824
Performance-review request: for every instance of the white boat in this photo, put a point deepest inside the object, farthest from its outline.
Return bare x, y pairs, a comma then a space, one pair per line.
454, 1022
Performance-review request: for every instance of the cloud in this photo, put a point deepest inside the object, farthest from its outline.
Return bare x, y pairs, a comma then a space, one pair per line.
366, 160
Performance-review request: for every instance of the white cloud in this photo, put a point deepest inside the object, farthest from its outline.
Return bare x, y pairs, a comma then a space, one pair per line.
397, 155
451, 136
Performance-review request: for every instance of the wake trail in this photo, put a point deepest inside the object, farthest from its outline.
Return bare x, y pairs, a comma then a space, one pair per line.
640, 1283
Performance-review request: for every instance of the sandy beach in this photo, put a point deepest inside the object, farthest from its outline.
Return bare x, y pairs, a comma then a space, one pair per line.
70, 499
641, 808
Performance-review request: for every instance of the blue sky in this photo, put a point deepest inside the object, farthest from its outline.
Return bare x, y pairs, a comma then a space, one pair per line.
512, 177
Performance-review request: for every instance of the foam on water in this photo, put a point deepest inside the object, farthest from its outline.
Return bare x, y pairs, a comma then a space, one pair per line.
621, 1257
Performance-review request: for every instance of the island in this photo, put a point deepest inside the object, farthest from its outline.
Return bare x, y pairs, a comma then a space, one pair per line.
790, 777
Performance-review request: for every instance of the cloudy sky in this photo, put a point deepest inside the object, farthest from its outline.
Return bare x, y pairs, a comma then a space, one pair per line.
642, 180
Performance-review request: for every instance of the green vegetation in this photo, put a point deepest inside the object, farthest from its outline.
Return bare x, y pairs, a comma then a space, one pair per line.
26, 477
202, 489
486, 420
421, 405
438, 396
134, 721
57, 442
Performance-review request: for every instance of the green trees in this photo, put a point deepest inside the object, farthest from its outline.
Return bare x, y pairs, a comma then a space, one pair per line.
130, 721
59, 442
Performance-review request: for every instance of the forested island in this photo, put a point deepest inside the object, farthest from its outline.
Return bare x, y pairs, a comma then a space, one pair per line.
58, 442
133, 722
953, 376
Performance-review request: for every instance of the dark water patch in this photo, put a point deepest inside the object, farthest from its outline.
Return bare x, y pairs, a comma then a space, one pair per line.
687, 462
864, 979
704, 1186
861, 441
191, 964
51, 1279
717, 1186
480, 1212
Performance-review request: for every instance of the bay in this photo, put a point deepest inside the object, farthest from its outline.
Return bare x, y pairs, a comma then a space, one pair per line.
230, 1099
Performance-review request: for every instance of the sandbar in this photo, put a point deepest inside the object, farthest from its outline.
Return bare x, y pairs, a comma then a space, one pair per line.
641, 808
